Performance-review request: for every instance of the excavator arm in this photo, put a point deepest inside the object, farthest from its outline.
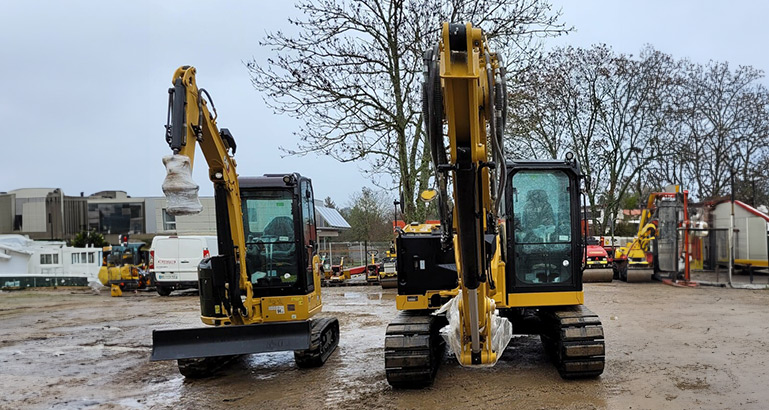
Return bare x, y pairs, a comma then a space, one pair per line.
465, 90
190, 123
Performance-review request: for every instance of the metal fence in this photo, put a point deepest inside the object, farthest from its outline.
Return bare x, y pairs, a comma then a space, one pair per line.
354, 253
710, 259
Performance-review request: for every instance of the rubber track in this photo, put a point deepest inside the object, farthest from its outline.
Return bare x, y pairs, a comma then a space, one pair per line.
575, 342
199, 368
413, 349
320, 347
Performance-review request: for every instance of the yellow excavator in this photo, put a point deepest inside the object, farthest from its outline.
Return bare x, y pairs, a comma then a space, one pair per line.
508, 256
639, 260
124, 267
261, 292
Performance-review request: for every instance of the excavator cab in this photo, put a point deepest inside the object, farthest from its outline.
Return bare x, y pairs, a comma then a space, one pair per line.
544, 236
279, 227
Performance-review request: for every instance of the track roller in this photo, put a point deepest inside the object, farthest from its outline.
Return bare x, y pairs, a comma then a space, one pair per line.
413, 349
639, 275
323, 342
635, 275
597, 275
389, 283
573, 338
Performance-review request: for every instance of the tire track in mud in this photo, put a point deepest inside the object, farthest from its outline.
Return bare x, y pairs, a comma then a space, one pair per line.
666, 348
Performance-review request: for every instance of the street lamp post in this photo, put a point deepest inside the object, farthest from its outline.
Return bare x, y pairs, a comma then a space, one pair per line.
731, 227
395, 213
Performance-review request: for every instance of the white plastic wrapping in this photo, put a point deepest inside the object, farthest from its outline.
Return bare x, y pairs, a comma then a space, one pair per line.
181, 191
501, 329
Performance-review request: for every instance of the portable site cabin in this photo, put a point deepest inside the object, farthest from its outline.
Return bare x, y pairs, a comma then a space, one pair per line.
27, 263
15, 256
751, 234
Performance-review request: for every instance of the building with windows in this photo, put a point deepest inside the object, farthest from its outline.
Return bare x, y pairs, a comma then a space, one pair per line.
159, 222
42, 213
114, 212
46, 213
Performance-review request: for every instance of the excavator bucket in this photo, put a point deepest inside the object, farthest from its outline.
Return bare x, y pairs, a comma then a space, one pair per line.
229, 340
180, 190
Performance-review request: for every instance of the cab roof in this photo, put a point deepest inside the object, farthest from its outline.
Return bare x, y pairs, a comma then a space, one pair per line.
269, 180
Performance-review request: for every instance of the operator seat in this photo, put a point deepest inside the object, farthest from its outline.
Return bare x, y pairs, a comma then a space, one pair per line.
537, 210
282, 228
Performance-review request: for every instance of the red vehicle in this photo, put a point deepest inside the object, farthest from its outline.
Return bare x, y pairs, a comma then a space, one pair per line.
598, 268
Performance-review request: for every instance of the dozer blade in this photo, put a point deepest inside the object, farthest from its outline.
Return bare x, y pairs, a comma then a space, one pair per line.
229, 340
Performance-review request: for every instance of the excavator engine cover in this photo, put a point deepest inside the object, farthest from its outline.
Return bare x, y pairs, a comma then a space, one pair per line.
211, 284
424, 265
230, 340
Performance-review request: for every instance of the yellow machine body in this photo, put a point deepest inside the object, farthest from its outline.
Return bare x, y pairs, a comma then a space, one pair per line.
467, 265
260, 292
222, 169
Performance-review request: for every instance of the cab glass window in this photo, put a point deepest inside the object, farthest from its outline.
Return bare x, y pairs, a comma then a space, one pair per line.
268, 222
542, 226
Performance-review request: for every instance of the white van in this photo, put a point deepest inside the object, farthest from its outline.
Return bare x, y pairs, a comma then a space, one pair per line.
174, 261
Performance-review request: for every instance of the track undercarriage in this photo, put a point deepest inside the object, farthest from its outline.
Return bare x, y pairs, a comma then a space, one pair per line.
324, 339
573, 338
571, 335
413, 349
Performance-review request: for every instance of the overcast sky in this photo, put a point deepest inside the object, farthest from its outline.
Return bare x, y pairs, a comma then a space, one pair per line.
83, 84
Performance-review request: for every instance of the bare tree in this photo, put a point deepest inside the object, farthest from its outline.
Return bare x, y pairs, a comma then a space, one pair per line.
605, 107
537, 119
352, 74
723, 118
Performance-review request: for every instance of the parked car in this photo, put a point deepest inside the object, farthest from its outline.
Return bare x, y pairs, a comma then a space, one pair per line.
174, 261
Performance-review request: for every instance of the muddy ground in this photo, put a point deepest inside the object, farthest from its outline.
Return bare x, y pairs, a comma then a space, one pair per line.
667, 347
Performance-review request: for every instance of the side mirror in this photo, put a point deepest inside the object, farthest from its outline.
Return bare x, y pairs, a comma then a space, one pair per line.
428, 195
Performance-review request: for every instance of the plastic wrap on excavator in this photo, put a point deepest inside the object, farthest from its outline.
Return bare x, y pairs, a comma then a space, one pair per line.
501, 330
180, 190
